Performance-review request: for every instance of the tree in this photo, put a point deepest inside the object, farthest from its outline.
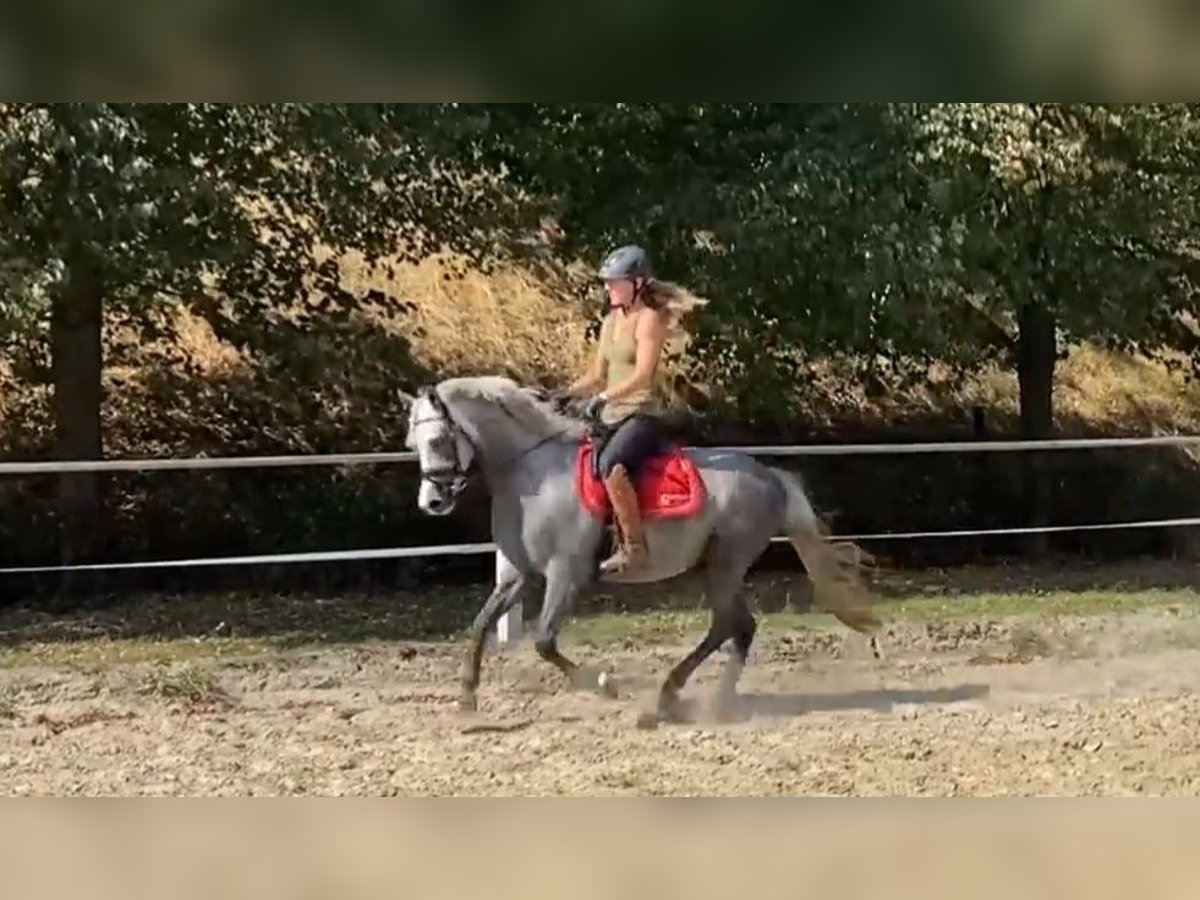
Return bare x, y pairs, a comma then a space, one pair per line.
111, 210
1066, 223
896, 231
1062, 224
884, 234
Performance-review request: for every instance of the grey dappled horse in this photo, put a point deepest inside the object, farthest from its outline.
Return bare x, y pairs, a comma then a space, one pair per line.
526, 451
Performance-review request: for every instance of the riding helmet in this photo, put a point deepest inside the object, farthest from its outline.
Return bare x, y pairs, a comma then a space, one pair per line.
630, 261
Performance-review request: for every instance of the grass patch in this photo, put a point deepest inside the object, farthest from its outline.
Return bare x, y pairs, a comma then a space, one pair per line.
1046, 603
187, 683
96, 654
8, 703
157, 629
607, 629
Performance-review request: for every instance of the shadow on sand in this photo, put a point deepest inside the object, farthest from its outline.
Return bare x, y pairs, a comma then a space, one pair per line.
746, 706
877, 699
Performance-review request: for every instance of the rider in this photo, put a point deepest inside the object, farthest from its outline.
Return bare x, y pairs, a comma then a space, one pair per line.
629, 350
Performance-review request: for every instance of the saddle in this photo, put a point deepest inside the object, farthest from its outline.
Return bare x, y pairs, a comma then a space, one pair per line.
668, 484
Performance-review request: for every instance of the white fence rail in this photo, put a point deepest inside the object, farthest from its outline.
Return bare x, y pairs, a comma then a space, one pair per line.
509, 627
54, 467
470, 549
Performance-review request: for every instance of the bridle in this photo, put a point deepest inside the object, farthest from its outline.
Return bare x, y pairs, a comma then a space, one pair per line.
455, 477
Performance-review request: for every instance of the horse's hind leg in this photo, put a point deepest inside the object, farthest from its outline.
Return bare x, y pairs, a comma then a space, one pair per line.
668, 695
730, 618
744, 628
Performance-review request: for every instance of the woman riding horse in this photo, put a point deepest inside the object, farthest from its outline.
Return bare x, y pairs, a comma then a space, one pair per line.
629, 350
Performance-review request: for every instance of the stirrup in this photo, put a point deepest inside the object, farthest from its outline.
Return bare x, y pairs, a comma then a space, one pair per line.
627, 556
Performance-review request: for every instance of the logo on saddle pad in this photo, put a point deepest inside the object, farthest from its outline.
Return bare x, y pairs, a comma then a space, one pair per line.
668, 485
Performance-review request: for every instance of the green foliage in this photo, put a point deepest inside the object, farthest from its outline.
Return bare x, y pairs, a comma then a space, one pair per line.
215, 203
894, 234
1087, 210
791, 218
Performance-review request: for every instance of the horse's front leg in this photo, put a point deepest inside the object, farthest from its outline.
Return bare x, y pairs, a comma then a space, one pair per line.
562, 585
509, 581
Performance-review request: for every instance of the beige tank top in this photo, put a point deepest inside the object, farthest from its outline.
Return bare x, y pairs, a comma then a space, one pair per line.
620, 351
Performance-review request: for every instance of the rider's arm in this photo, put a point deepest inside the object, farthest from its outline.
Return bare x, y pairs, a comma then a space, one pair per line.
650, 333
593, 379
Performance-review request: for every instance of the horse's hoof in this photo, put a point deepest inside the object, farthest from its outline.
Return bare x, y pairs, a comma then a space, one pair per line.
647, 721
607, 686
726, 710
468, 703
876, 647
672, 709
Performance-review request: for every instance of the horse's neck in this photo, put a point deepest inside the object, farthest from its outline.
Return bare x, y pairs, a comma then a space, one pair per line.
510, 486
500, 439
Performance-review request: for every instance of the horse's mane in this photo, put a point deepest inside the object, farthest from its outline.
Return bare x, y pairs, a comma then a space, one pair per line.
518, 402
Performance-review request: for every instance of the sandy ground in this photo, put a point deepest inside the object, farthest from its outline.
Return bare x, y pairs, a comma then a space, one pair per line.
1090, 705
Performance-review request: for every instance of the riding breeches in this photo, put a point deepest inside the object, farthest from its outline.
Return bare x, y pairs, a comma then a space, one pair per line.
634, 439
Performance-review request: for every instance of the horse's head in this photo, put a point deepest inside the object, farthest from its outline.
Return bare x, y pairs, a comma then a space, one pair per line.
444, 452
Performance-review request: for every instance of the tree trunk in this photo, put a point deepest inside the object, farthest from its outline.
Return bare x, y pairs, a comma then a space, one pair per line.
77, 360
1036, 358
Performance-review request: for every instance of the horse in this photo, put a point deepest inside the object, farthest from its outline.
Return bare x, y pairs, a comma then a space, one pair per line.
703, 507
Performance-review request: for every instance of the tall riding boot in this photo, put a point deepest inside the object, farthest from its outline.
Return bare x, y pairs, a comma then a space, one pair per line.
631, 551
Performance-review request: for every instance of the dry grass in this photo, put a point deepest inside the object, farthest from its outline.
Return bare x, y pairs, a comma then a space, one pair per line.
515, 323
1094, 388
508, 322
8, 703
1139, 394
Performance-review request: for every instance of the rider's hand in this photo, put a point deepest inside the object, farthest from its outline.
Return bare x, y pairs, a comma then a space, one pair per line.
559, 396
579, 407
594, 406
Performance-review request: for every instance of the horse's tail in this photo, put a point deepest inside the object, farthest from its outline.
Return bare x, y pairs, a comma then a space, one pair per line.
834, 567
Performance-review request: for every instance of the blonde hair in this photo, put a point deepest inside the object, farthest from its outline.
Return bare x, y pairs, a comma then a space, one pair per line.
677, 302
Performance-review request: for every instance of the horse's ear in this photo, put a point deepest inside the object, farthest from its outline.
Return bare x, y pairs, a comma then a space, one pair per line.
406, 399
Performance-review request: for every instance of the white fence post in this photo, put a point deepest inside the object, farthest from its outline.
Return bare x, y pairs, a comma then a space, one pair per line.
509, 625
